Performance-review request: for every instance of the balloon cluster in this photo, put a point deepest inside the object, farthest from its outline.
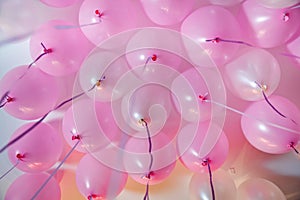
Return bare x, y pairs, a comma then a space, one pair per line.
138, 86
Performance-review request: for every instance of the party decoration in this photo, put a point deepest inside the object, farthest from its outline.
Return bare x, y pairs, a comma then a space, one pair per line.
67, 46
271, 139
224, 186
268, 27
95, 180
258, 188
253, 74
44, 138
26, 185
24, 98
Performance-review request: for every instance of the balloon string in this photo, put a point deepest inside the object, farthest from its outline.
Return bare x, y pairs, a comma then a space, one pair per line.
55, 171
292, 145
217, 40
252, 117
6, 99
207, 162
153, 58
41, 119
271, 105
148, 176
63, 27
13, 167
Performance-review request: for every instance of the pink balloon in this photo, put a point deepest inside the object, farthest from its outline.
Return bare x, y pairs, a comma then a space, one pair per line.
258, 131
267, 27
167, 12
37, 151
186, 88
224, 186
189, 142
137, 160
259, 189
97, 180
87, 126
106, 18
254, 68
26, 185
59, 3
67, 45
225, 3
294, 48
207, 23
34, 92
278, 4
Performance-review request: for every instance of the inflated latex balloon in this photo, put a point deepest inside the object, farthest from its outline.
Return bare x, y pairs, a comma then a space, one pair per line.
253, 69
26, 185
294, 49
225, 3
167, 12
138, 162
186, 88
206, 24
266, 27
59, 3
37, 151
278, 4
224, 186
101, 65
95, 180
257, 124
64, 44
88, 127
101, 20
189, 143
259, 189
31, 92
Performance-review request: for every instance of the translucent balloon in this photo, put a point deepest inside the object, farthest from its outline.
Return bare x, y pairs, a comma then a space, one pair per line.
102, 65
26, 185
207, 23
225, 3
267, 27
106, 18
258, 131
96, 180
189, 142
254, 68
167, 12
224, 186
33, 92
278, 4
137, 160
59, 3
66, 44
259, 189
187, 87
37, 151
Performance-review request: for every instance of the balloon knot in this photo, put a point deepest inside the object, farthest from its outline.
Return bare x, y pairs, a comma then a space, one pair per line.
76, 137
9, 99
20, 156
98, 13
154, 57
148, 175
206, 162
92, 196
286, 17
203, 97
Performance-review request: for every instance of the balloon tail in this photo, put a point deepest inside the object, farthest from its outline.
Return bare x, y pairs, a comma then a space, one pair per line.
55, 171
206, 162
251, 117
153, 58
8, 171
150, 173
218, 40
6, 99
45, 51
42, 119
292, 145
